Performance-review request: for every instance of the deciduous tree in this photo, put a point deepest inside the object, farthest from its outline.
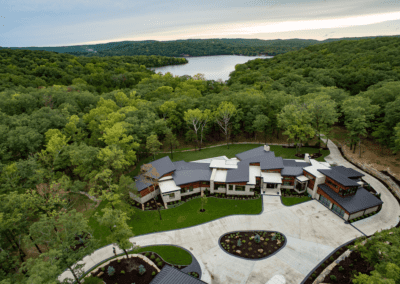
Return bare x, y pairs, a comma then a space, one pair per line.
223, 115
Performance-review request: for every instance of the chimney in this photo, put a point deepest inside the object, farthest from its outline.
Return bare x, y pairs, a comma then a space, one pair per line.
307, 158
266, 148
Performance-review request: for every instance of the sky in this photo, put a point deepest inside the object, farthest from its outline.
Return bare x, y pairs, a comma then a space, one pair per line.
25, 23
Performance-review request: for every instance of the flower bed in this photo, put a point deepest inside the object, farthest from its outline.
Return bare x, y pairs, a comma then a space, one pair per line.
127, 271
252, 244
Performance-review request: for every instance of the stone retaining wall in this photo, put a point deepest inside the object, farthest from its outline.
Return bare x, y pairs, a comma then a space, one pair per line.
369, 169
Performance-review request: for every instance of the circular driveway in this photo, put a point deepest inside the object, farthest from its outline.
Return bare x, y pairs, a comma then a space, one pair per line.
312, 231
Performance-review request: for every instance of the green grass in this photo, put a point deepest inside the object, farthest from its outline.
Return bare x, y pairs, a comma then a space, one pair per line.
294, 200
286, 153
186, 215
170, 254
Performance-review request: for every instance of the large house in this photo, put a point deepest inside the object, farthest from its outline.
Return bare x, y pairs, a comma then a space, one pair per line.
338, 188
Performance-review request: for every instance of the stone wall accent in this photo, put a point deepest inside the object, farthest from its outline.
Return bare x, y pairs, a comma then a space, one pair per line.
369, 169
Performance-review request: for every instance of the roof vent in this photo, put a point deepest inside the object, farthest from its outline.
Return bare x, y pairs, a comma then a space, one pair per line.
266, 148
307, 158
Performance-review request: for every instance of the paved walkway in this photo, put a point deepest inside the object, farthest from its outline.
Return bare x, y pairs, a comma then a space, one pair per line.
312, 231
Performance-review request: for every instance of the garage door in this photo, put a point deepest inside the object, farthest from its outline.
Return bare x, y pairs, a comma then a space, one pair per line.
324, 201
339, 211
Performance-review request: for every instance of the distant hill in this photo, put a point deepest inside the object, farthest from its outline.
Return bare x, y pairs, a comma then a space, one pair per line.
191, 47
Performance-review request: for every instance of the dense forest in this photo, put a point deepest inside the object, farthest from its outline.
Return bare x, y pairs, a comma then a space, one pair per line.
81, 124
192, 47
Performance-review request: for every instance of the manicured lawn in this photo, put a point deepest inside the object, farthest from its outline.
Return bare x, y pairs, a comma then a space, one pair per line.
294, 200
286, 153
170, 254
186, 215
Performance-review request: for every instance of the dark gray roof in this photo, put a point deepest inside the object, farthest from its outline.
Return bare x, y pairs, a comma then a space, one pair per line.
171, 275
269, 163
347, 172
241, 174
140, 185
256, 152
188, 176
292, 171
182, 165
163, 165
360, 201
336, 176
289, 163
303, 164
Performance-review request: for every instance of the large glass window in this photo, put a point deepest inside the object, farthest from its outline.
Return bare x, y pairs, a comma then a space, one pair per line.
239, 188
231, 187
190, 188
324, 201
339, 211
271, 185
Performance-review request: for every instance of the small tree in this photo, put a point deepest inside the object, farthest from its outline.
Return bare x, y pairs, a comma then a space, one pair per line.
171, 141
153, 145
257, 238
149, 175
203, 200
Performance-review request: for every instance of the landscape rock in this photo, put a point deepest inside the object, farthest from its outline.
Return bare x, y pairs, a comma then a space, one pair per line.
273, 234
278, 242
260, 250
238, 251
227, 241
262, 238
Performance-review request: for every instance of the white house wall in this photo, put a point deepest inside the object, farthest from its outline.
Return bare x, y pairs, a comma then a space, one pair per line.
145, 198
357, 214
166, 197
370, 210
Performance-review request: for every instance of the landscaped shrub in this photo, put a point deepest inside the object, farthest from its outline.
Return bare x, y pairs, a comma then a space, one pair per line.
159, 264
333, 277
119, 260
341, 268
147, 254
153, 273
323, 265
265, 253
158, 259
142, 270
257, 239
331, 258
152, 256
103, 268
243, 241
313, 275
111, 270
250, 249
123, 272
338, 252
239, 243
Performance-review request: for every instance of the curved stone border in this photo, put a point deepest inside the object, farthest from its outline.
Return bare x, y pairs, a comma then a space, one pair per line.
283, 245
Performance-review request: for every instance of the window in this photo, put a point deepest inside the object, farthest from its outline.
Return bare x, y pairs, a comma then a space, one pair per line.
239, 188
287, 183
183, 190
190, 188
172, 195
271, 185
231, 187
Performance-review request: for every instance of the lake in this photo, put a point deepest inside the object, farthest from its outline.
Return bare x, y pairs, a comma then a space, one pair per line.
213, 67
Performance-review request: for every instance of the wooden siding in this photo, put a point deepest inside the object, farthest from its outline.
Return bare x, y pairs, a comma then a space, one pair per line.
146, 191
307, 174
238, 183
320, 192
254, 164
288, 179
167, 174
194, 184
272, 171
334, 182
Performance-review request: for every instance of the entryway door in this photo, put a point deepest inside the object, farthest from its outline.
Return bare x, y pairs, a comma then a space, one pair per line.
339, 211
324, 201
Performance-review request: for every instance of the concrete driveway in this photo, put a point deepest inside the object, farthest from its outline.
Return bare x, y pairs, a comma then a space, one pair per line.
312, 232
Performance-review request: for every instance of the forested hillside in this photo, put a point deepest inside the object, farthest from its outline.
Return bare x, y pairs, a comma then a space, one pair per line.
82, 124
192, 47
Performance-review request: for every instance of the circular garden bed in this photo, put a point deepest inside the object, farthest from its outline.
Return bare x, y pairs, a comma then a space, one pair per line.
252, 244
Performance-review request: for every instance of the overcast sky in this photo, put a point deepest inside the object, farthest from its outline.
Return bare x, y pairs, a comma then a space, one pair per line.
76, 22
